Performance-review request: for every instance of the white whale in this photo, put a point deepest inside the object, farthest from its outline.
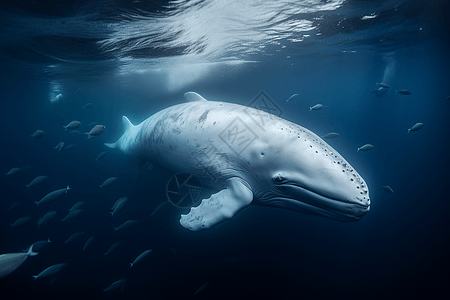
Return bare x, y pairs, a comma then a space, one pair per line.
245, 155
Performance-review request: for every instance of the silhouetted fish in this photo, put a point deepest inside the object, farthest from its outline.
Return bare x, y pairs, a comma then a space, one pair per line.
115, 285
38, 134
101, 155
316, 107
37, 180
403, 92
72, 125
388, 189
292, 97
113, 247
76, 205
416, 127
72, 214
201, 288
73, 237
366, 147
14, 171
383, 85
50, 270
141, 257
330, 135
126, 225
20, 221
47, 217
159, 208
53, 196
97, 130
108, 182
37, 246
88, 242
120, 206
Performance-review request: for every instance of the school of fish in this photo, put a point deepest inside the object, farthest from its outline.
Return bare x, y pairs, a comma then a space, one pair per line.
9, 262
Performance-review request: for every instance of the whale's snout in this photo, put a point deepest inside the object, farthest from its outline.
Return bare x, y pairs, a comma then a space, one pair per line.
317, 180
359, 210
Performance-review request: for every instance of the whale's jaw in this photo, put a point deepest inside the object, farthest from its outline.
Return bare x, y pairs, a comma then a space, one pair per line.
308, 202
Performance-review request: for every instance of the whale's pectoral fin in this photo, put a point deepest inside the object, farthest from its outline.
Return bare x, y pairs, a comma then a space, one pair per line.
219, 207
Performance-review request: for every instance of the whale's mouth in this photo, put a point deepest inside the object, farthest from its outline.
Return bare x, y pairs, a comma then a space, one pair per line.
298, 198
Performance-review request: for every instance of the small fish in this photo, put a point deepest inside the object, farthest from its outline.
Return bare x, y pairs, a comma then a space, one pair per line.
141, 257
76, 205
159, 208
101, 155
201, 288
403, 92
47, 217
60, 146
88, 242
120, 206
292, 97
36, 181
388, 189
9, 262
97, 130
379, 92
87, 105
53, 196
75, 132
316, 107
13, 205
74, 236
416, 127
20, 221
366, 147
383, 85
115, 285
14, 171
38, 134
72, 125
126, 225
330, 135
72, 214
117, 202
108, 182
113, 247
70, 147
37, 246
50, 271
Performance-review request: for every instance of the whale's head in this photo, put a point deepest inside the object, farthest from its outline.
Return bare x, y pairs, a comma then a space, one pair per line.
303, 173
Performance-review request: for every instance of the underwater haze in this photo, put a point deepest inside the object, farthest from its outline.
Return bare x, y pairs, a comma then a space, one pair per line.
380, 71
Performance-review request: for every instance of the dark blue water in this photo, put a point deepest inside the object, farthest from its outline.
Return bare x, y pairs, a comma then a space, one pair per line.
135, 58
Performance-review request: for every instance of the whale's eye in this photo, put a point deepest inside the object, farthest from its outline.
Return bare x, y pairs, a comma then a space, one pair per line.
278, 178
